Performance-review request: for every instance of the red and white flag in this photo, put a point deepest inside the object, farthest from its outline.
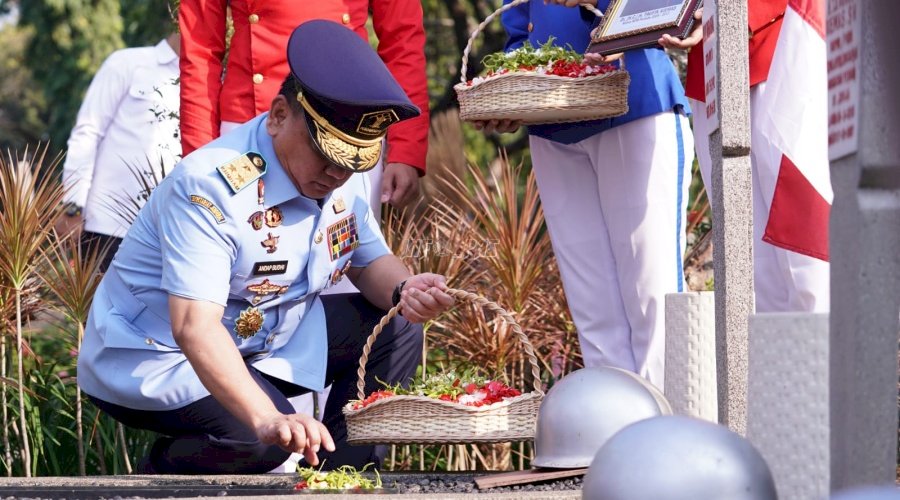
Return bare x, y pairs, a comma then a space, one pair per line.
796, 122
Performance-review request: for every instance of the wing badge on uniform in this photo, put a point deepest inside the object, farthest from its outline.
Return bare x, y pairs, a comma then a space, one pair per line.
343, 237
266, 287
240, 172
249, 322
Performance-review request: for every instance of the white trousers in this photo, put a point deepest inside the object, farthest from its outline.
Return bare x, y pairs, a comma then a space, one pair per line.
783, 281
615, 208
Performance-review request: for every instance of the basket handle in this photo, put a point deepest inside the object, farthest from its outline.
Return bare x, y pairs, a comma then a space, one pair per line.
487, 21
462, 295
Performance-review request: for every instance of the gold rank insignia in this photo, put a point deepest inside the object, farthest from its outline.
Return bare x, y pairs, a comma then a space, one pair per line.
209, 206
274, 217
270, 243
339, 205
249, 322
243, 170
343, 237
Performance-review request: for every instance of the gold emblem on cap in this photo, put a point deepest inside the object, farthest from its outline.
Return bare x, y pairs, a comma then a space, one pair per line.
243, 170
249, 322
352, 153
376, 122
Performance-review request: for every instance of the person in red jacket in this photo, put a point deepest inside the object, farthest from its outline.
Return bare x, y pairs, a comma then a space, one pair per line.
784, 281
216, 97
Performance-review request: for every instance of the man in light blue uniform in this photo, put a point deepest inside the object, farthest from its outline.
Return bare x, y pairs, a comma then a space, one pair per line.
614, 195
210, 316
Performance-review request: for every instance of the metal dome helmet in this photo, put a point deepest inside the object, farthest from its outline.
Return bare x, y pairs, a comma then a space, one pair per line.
585, 408
678, 458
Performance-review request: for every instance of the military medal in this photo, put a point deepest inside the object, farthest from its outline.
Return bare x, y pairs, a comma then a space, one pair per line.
343, 237
256, 220
339, 205
261, 191
270, 243
274, 217
249, 322
243, 170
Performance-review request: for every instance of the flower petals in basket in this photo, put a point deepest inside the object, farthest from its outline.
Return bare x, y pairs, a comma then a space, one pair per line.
536, 94
409, 419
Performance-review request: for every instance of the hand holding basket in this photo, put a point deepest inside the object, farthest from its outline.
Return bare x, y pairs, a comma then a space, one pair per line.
405, 419
533, 98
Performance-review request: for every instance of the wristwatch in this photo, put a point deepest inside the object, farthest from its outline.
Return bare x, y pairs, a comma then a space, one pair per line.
71, 209
395, 298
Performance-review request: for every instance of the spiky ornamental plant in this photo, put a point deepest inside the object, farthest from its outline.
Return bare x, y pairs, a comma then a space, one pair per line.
30, 202
72, 274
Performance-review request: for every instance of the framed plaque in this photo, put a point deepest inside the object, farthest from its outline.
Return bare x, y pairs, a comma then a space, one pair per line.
632, 24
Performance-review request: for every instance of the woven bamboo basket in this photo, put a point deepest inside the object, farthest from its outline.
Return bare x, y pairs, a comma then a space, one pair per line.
422, 420
534, 98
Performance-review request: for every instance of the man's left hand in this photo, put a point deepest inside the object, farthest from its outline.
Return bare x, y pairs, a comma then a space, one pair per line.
399, 184
423, 297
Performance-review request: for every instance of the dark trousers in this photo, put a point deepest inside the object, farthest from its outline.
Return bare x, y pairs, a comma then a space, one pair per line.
92, 242
204, 438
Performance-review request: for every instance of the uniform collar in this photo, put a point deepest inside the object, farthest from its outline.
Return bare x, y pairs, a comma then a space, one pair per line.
164, 53
279, 187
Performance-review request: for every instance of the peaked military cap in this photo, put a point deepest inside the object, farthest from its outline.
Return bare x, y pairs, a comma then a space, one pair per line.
348, 95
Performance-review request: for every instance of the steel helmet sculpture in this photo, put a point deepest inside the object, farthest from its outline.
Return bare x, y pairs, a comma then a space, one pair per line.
586, 408
678, 458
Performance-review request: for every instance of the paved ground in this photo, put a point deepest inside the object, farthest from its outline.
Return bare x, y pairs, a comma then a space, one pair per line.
244, 487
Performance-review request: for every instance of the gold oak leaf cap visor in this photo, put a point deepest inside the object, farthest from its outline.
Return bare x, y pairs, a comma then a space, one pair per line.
347, 93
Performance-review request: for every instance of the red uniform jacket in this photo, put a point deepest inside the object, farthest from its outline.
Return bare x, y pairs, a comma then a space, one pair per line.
764, 19
257, 62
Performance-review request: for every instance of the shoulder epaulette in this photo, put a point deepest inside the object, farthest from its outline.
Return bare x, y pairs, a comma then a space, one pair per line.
243, 170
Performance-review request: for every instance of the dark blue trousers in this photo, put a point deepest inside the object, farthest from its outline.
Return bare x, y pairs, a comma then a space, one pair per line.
204, 438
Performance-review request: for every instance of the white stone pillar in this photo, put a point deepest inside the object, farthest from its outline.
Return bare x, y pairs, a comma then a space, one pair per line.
787, 400
864, 239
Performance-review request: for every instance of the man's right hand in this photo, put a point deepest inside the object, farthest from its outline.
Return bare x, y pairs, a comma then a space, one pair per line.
499, 126
69, 224
296, 433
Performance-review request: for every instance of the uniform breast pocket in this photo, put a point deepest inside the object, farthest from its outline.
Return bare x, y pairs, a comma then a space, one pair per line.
123, 334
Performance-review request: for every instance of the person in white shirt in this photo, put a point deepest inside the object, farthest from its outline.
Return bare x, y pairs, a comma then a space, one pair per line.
127, 128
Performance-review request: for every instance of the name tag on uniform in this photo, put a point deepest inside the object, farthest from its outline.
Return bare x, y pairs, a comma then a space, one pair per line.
269, 268
343, 237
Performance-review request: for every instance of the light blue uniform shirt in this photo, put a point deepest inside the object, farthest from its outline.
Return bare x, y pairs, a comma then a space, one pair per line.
208, 249
654, 87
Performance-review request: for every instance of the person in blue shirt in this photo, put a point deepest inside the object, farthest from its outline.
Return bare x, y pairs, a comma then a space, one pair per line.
210, 315
614, 195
